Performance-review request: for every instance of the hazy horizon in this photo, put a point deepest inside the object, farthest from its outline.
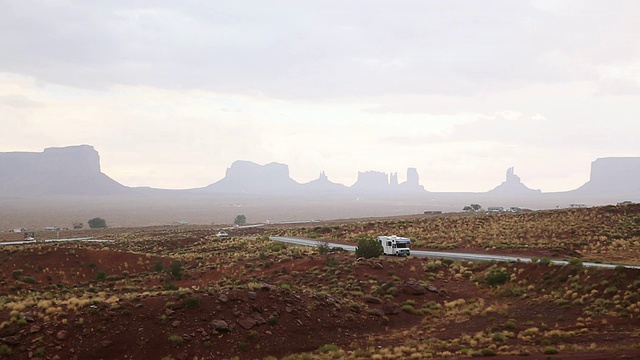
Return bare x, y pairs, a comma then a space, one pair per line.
170, 94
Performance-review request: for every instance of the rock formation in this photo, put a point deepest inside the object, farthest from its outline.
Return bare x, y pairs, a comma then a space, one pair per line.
513, 186
371, 181
250, 178
323, 186
73, 170
413, 182
613, 175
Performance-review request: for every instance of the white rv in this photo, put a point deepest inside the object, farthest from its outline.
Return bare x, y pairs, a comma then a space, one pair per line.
395, 245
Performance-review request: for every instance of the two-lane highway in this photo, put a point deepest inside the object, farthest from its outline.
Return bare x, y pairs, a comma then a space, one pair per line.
444, 254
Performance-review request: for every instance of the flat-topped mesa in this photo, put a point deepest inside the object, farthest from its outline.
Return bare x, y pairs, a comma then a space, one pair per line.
371, 181
380, 182
72, 170
251, 178
513, 186
613, 175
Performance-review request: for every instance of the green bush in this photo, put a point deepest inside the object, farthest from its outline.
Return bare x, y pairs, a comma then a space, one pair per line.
175, 340
496, 277
368, 247
192, 302
176, 270
97, 223
5, 350
327, 348
157, 267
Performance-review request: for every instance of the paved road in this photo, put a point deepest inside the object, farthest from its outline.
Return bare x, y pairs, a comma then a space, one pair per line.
24, 242
444, 254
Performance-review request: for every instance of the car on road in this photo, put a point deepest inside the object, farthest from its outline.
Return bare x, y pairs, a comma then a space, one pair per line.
222, 234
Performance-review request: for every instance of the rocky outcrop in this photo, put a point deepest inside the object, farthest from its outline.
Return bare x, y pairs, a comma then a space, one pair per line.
322, 186
371, 181
613, 175
73, 170
247, 177
513, 186
379, 182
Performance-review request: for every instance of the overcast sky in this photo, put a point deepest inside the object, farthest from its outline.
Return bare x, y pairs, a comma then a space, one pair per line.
170, 93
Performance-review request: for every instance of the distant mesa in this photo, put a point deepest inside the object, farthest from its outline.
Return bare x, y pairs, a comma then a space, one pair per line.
613, 175
380, 182
513, 186
72, 170
75, 170
250, 178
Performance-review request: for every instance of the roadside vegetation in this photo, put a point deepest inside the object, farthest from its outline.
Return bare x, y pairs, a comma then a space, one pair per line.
183, 292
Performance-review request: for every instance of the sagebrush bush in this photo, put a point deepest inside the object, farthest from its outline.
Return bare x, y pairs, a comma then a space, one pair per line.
368, 247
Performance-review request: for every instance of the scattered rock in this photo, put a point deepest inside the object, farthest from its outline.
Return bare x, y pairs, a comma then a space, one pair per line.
10, 340
391, 308
252, 295
372, 300
377, 265
413, 288
247, 323
176, 323
34, 329
223, 298
62, 334
259, 319
106, 343
220, 326
433, 289
377, 312
168, 312
265, 287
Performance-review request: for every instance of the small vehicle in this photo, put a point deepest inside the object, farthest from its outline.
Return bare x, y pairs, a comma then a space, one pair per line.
222, 234
395, 245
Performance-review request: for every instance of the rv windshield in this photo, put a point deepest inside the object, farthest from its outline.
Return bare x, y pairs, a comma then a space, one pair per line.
402, 245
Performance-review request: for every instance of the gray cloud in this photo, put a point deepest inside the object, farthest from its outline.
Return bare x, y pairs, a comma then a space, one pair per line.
307, 48
18, 101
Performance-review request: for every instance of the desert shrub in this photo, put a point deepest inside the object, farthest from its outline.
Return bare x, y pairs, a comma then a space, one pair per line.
498, 337
331, 261
408, 308
488, 352
16, 273
171, 287
97, 223
175, 340
496, 277
101, 275
575, 262
549, 350
327, 348
240, 220
273, 321
157, 267
5, 350
192, 302
28, 279
510, 324
368, 247
176, 270
545, 261
243, 346
324, 248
